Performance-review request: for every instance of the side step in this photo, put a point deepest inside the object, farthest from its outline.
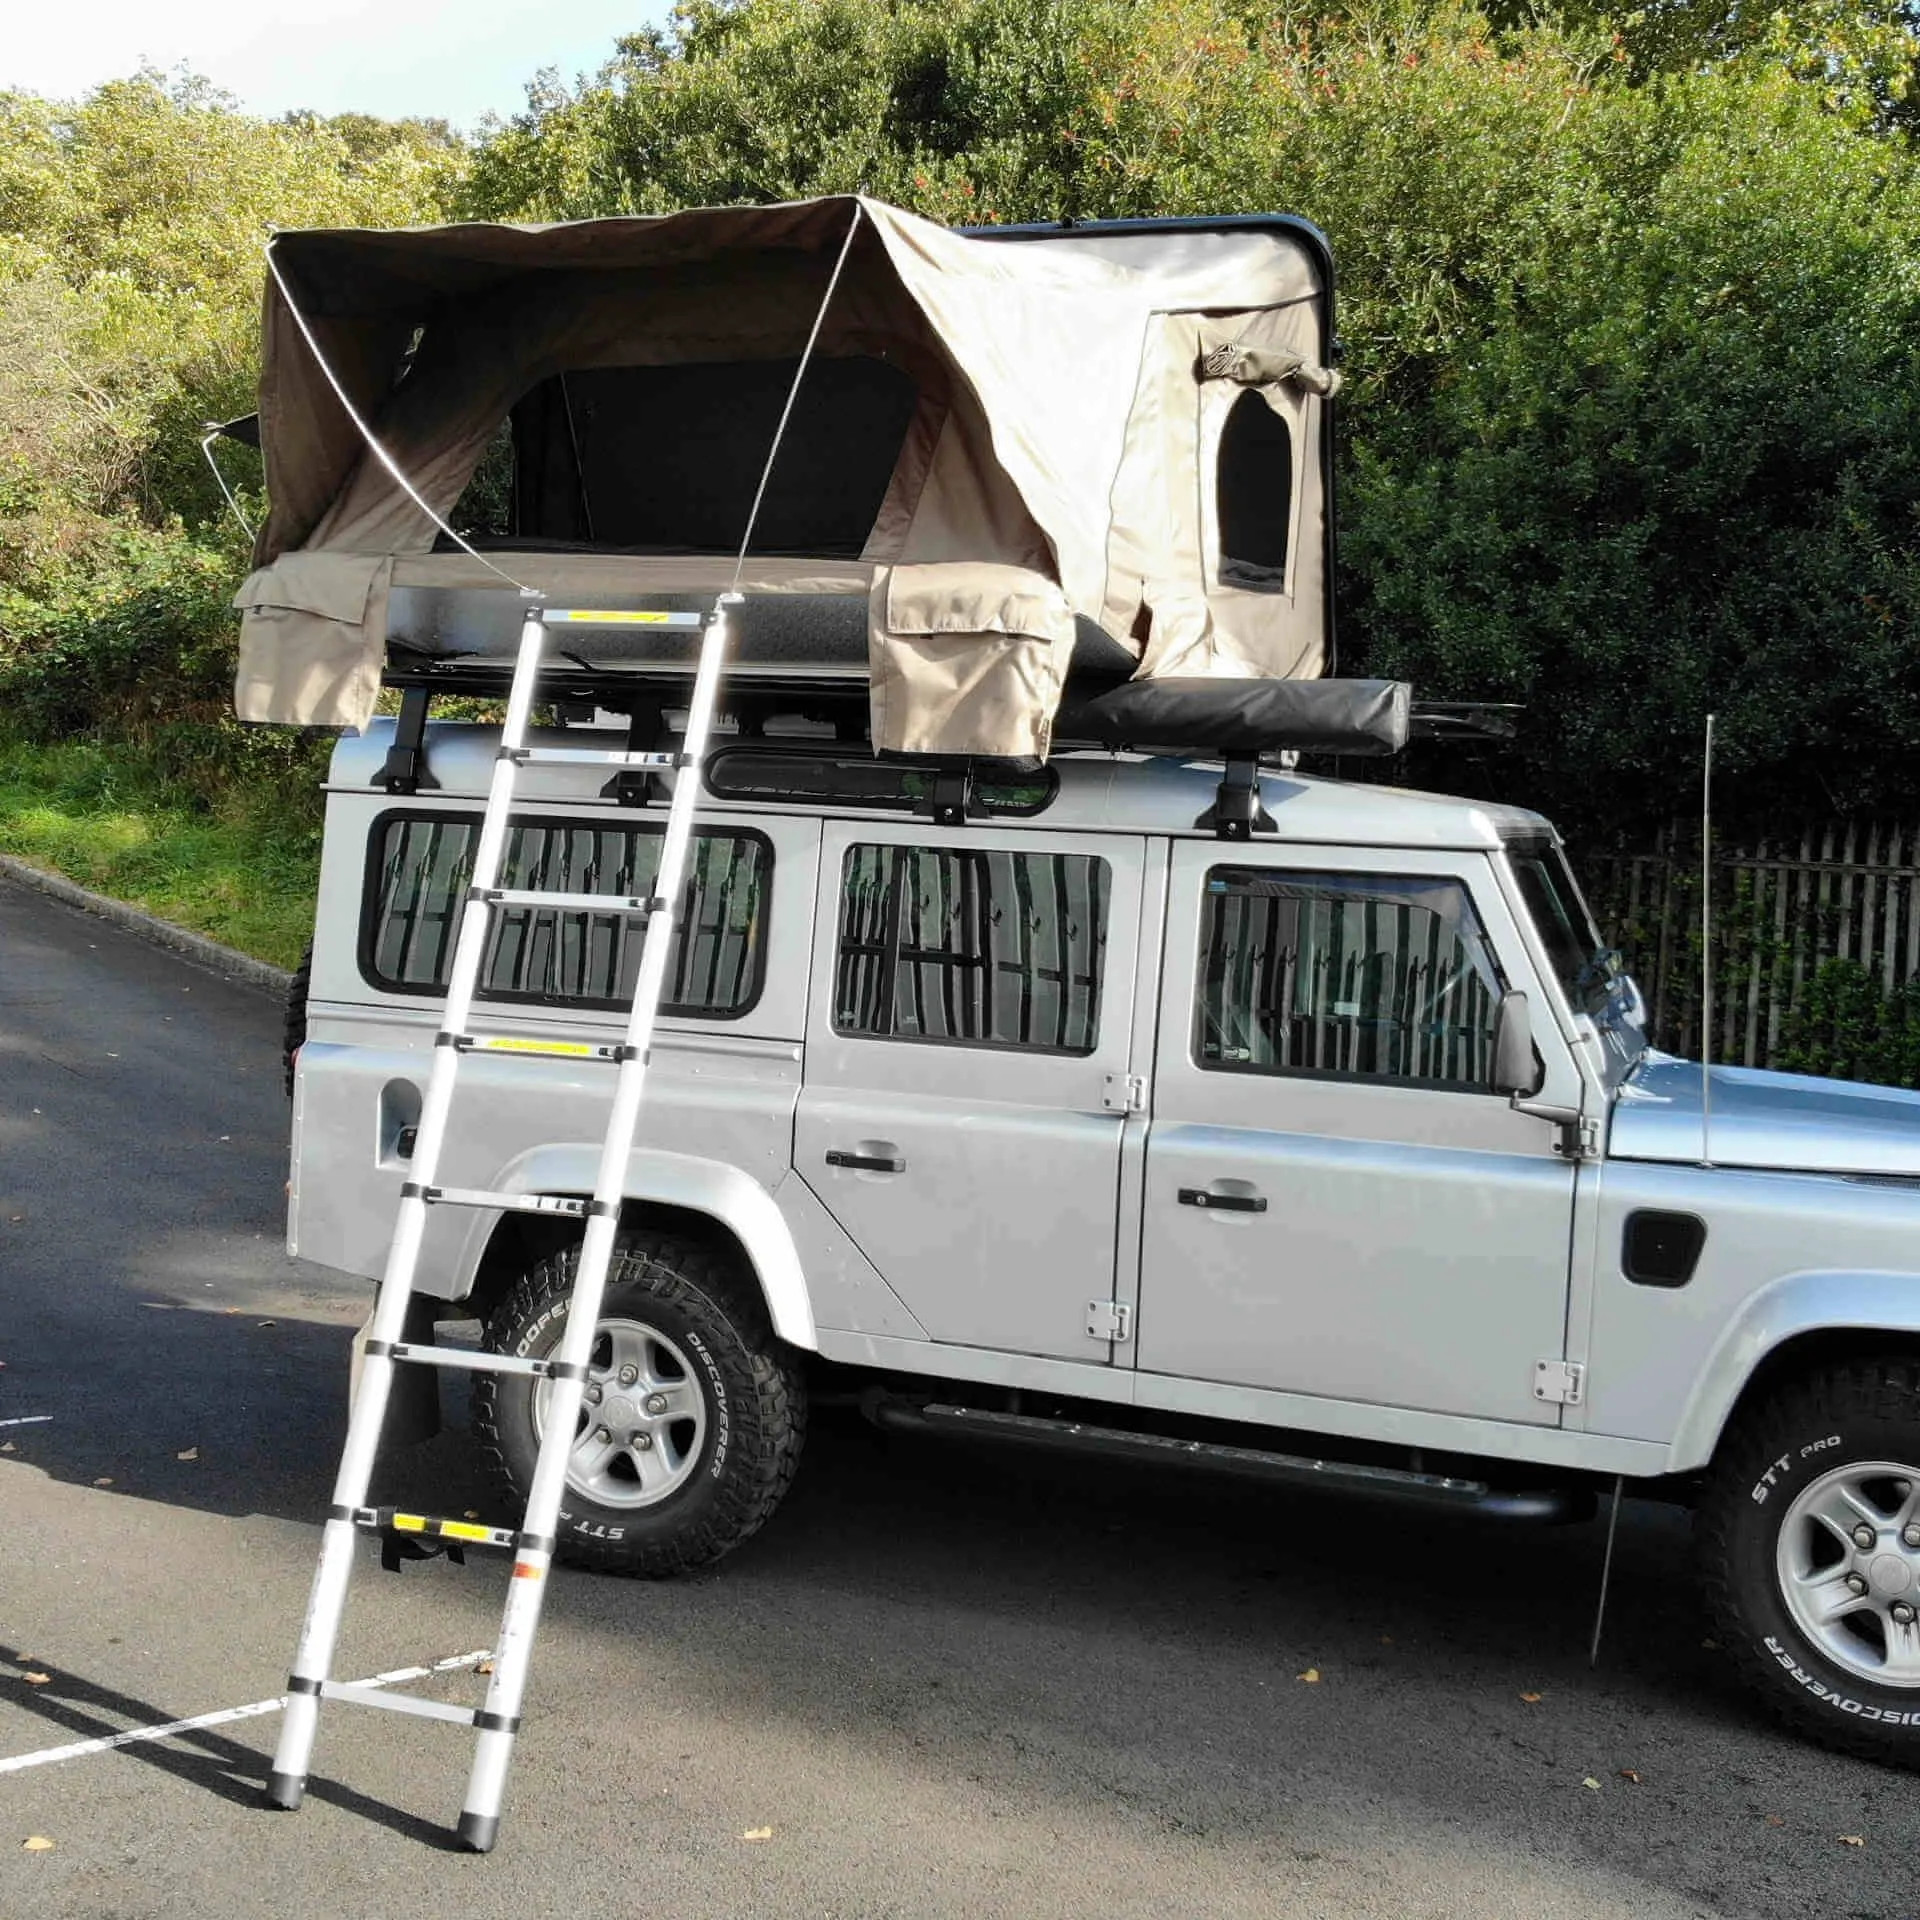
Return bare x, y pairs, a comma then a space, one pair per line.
1553, 1505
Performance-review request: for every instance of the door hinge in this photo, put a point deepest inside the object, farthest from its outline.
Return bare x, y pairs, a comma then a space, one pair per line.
1125, 1093
1109, 1320
1559, 1382
1576, 1136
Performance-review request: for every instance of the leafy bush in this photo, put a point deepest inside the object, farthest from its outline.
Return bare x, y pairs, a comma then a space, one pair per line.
1678, 471
131, 232
1848, 1026
134, 642
242, 869
132, 227
138, 633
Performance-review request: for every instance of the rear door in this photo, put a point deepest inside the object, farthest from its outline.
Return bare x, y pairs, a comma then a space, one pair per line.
970, 1016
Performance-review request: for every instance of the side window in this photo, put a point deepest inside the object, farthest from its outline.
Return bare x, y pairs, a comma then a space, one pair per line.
418, 867
973, 948
1360, 976
1255, 490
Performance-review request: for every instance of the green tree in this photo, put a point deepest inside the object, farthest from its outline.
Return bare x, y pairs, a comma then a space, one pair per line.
1631, 320
131, 232
1678, 470
132, 225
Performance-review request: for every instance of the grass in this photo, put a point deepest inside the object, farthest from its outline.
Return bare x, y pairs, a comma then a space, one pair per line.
240, 867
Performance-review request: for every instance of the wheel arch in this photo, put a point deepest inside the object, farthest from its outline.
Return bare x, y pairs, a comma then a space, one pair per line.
1800, 1321
698, 1198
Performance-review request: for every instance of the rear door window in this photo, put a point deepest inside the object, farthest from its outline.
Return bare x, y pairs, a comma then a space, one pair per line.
971, 947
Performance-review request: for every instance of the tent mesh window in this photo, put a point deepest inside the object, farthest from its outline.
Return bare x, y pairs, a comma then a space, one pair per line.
666, 458
1254, 480
1375, 977
970, 947
419, 870
486, 508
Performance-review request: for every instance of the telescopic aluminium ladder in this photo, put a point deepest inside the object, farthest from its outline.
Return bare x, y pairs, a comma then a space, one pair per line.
565, 1372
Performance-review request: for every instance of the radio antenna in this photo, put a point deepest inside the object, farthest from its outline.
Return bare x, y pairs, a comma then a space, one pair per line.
1706, 950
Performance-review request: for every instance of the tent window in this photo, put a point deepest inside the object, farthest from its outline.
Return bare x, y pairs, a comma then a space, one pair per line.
666, 459
485, 509
1255, 491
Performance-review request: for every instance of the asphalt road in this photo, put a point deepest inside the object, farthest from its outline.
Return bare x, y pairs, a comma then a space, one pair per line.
944, 1682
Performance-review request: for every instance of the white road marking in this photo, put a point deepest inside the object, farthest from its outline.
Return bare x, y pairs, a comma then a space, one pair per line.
27, 1420
79, 1749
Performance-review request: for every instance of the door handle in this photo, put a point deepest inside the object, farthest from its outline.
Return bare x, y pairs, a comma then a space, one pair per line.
866, 1162
1223, 1202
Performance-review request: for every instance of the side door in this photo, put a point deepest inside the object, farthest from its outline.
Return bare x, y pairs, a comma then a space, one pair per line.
1335, 1203
971, 1013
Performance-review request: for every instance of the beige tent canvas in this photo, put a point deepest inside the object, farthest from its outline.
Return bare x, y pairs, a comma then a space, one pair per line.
999, 441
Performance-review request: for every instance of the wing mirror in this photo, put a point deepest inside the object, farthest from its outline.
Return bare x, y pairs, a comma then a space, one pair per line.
1516, 1067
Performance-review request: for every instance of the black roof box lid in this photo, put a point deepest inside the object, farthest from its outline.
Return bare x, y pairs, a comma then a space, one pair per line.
1204, 716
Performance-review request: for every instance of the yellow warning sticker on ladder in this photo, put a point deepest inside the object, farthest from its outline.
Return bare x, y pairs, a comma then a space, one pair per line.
442, 1529
651, 617
505, 1043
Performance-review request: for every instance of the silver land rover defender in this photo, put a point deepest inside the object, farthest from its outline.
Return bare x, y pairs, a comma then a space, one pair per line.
1140, 1093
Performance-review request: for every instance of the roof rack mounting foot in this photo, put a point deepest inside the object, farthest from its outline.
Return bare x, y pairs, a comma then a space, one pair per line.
405, 767
1237, 812
646, 730
633, 789
951, 797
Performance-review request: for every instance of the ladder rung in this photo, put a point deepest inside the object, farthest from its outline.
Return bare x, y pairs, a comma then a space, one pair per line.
607, 903
506, 1202
513, 1043
426, 1526
396, 1702
467, 1359
594, 757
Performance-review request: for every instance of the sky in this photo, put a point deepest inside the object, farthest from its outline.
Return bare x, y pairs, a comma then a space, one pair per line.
448, 59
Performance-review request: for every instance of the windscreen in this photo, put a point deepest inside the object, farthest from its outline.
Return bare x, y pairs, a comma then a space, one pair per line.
1584, 968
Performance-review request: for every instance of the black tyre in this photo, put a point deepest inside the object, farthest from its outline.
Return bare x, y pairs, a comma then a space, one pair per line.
695, 1414
294, 1034
1810, 1544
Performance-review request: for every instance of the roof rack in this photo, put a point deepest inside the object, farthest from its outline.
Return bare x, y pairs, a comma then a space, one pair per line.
1465, 720
1243, 724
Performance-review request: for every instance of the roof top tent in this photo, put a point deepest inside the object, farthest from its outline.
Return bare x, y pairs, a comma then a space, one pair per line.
1103, 447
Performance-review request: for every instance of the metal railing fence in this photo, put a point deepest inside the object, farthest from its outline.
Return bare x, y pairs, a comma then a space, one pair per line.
1816, 937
